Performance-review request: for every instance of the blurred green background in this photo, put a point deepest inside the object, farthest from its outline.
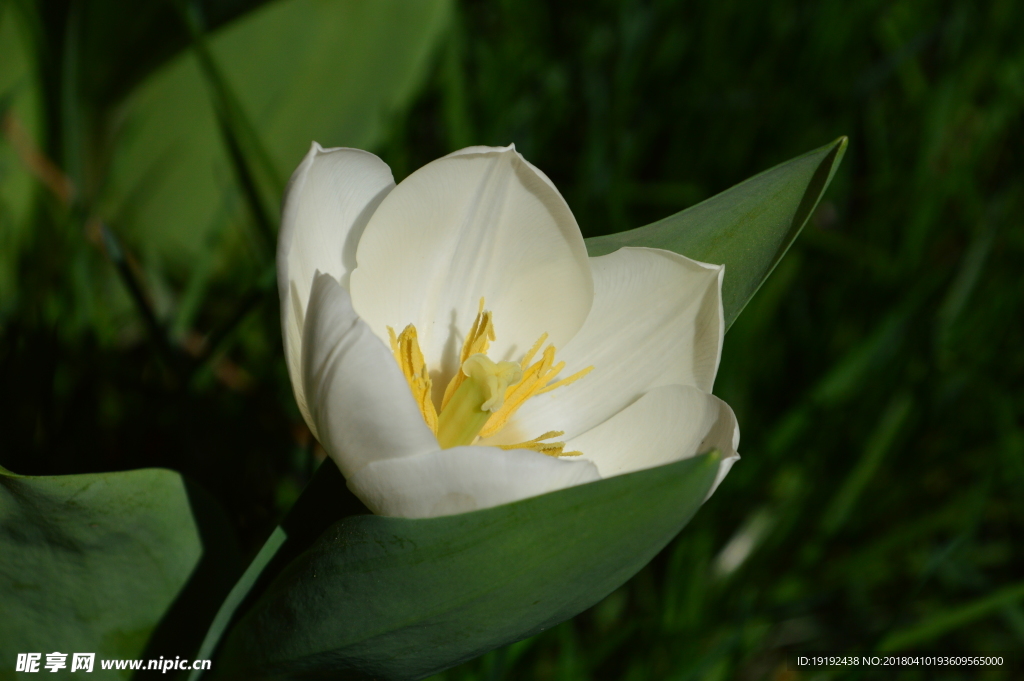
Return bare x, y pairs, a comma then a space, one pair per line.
878, 376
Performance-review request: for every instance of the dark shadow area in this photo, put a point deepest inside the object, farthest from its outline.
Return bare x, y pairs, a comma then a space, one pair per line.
183, 627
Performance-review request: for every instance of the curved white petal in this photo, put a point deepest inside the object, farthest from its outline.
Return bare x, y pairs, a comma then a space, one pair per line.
657, 320
361, 407
478, 224
481, 149
328, 202
667, 424
463, 479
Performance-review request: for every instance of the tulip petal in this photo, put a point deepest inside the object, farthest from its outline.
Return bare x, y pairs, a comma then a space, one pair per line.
463, 479
483, 223
481, 149
358, 399
327, 204
656, 320
667, 424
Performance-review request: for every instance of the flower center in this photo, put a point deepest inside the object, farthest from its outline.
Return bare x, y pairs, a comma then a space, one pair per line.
483, 395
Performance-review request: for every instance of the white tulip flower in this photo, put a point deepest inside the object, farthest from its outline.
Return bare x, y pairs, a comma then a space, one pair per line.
443, 333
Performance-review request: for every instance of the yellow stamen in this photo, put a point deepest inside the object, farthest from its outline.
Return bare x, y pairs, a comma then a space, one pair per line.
406, 348
477, 342
533, 351
536, 379
482, 395
549, 448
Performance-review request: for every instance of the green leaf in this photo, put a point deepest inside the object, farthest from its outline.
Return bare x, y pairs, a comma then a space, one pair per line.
748, 228
122, 42
299, 70
94, 563
394, 598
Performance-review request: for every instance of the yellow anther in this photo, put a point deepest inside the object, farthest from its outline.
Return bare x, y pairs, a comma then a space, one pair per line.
565, 381
406, 348
533, 350
477, 342
536, 380
549, 448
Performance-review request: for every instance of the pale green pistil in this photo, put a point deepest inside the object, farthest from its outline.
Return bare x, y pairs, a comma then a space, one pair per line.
480, 395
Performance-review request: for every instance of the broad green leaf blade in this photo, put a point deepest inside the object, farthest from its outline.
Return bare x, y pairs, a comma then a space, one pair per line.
393, 598
122, 42
93, 563
301, 70
748, 228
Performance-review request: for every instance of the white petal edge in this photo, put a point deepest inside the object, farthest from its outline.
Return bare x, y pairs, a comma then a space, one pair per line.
657, 319
328, 202
482, 223
463, 479
361, 407
667, 424
481, 149
724, 467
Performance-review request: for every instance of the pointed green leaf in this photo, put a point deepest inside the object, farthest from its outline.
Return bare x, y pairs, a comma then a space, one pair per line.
748, 228
393, 598
93, 563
